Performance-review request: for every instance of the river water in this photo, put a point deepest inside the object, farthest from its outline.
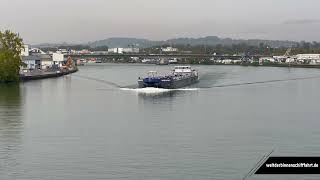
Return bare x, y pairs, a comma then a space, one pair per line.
94, 124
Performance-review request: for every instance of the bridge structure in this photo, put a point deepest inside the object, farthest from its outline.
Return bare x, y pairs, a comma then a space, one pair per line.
205, 56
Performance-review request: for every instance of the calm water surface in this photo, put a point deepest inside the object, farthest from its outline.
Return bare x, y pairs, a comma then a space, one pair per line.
93, 125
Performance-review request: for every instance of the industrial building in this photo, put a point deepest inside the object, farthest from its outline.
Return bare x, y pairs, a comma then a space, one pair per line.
34, 58
123, 50
169, 49
25, 50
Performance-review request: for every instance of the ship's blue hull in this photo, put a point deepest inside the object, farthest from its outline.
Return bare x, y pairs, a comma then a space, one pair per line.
167, 82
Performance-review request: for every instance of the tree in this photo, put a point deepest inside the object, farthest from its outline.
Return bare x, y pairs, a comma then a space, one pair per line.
10, 60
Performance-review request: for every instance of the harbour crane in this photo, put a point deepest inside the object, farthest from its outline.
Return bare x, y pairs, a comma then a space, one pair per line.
287, 53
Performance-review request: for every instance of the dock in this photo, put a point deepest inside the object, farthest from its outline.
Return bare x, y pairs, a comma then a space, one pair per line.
44, 75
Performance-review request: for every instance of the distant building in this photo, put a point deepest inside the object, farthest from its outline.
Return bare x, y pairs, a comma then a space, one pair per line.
308, 56
34, 51
227, 61
173, 61
123, 50
169, 49
32, 62
135, 58
266, 59
115, 50
99, 52
25, 50
186, 52
45, 61
280, 58
131, 50
290, 60
84, 51
50, 52
57, 59
37, 59
72, 51
63, 51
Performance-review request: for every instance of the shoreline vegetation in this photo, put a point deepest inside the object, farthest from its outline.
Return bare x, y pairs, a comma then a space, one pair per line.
11, 46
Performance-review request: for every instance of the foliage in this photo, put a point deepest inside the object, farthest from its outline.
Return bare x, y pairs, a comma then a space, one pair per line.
10, 49
76, 47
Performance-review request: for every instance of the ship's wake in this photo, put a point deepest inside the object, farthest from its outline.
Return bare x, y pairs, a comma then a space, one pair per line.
98, 80
196, 87
151, 90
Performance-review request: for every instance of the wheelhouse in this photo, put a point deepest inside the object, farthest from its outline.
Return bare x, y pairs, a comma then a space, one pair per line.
182, 69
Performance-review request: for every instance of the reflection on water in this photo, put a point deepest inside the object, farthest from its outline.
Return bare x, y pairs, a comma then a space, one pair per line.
209, 79
89, 128
10, 105
159, 95
10, 124
166, 97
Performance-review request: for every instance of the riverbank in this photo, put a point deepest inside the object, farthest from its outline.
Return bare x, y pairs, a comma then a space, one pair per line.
272, 65
44, 75
222, 64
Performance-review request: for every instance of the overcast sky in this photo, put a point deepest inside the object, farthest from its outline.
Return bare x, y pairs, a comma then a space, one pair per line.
79, 21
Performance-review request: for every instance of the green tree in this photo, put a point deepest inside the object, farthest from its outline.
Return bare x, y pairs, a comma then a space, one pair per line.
10, 60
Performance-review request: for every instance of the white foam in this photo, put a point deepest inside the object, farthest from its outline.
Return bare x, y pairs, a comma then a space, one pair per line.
152, 90
148, 90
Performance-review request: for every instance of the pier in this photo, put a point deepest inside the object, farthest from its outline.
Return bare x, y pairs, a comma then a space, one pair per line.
44, 75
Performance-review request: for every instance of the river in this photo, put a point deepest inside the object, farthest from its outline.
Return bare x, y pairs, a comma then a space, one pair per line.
94, 124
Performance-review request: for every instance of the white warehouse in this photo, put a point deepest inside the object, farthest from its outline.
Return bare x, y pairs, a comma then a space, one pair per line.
57, 58
308, 56
123, 50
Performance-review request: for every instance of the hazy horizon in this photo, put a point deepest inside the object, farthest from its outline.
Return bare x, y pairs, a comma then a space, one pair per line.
80, 21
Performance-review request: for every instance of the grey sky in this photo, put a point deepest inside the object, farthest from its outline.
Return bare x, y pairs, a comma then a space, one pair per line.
77, 21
